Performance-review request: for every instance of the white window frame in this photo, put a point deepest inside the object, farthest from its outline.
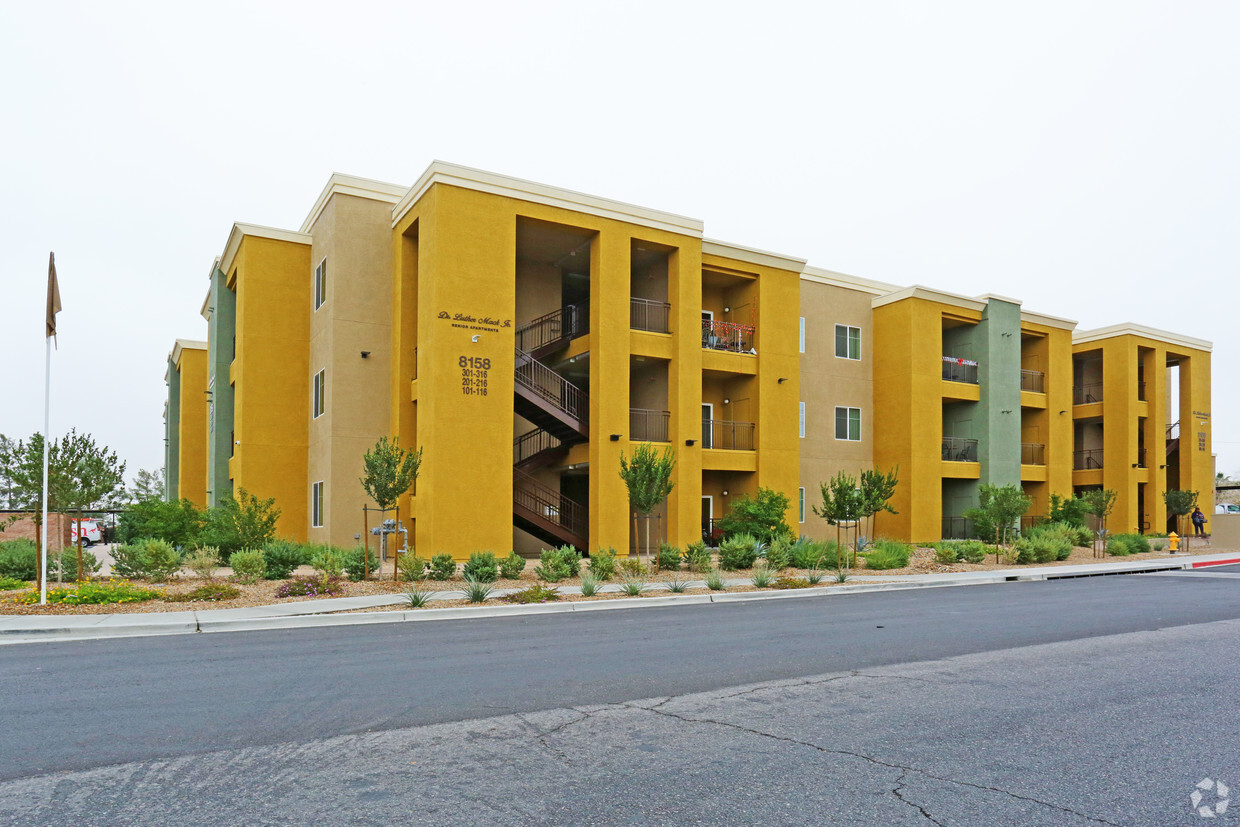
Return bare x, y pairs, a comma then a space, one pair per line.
316, 504
320, 284
318, 397
847, 423
802, 334
847, 342
801, 425
800, 505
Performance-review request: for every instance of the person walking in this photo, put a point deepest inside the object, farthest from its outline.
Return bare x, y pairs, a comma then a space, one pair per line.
1199, 523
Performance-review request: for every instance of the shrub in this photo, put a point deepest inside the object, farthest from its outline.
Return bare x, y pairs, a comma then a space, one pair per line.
248, 565
179, 522
203, 561
1137, 543
417, 597
510, 567
759, 515
1071, 511
411, 567
589, 585
356, 565
1159, 545
18, 560
632, 567
970, 551
537, 593
558, 564
603, 564
944, 554
281, 557
714, 581
111, 591
762, 576
240, 522
632, 586
442, 566
677, 586
482, 567
814, 577
1043, 547
778, 554
8, 584
209, 592
328, 561
476, 591
1084, 537
794, 582
810, 554
738, 552
308, 587
150, 558
68, 561
697, 557
1117, 547
887, 554
669, 557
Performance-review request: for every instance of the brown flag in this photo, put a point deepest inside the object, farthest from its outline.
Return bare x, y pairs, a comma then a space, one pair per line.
53, 295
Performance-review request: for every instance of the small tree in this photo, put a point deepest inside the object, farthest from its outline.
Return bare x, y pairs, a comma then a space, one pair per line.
240, 522
842, 502
761, 515
148, 485
877, 489
1000, 506
1099, 502
648, 476
178, 522
390, 472
1180, 502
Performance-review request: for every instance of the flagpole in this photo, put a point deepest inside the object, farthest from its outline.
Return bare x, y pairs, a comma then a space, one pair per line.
47, 441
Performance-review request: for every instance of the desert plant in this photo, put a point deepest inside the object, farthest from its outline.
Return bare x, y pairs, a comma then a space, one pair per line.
558, 564
632, 586
1158, 545
282, 557
203, 562
443, 567
357, 566
778, 553
762, 576
842, 575
150, 558
248, 565
814, 576
208, 592
697, 558
676, 585
510, 567
328, 561
481, 567
888, 554
8, 584
792, 583
476, 591
417, 597
63, 565
632, 567
738, 551
589, 585
809, 554
603, 563
93, 593
412, 567
944, 554
537, 593
309, 587
714, 581
669, 557
760, 515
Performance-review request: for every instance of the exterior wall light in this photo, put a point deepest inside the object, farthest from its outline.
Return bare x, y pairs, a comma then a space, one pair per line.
615, 437
365, 354
690, 441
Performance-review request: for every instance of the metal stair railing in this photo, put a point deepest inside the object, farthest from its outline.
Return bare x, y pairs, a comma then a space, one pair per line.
550, 386
549, 504
562, 325
532, 443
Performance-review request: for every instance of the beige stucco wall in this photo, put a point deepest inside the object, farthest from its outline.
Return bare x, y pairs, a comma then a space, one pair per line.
828, 381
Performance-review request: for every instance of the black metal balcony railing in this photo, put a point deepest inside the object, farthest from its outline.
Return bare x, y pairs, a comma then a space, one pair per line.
957, 528
1033, 380
648, 426
1087, 394
1090, 460
728, 435
737, 338
956, 369
1032, 453
647, 314
569, 322
957, 449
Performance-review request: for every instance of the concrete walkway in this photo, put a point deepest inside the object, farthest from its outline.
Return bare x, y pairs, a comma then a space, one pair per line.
312, 613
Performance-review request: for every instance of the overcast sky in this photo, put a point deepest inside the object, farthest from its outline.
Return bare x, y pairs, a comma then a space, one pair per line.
1081, 156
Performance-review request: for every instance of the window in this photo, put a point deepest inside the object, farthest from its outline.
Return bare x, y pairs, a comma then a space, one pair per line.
848, 424
802, 426
316, 505
847, 342
800, 505
320, 393
320, 284
802, 334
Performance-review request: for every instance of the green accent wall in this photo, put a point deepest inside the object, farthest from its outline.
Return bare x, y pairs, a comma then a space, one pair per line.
998, 373
172, 434
222, 328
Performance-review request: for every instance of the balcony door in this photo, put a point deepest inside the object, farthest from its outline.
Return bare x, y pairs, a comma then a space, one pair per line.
708, 414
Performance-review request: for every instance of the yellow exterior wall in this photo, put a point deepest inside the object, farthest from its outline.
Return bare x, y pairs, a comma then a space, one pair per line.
272, 377
192, 467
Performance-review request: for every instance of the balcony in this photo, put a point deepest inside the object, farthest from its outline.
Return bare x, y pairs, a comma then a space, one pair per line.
1089, 460
956, 369
648, 426
1033, 381
956, 449
650, 315
1032, 453
1087, 394
957, 528
729, 336
727, 435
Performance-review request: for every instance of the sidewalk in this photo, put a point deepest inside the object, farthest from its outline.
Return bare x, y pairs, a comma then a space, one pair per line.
317, 613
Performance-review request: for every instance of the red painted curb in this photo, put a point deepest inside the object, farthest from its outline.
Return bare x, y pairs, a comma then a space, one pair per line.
1205, 563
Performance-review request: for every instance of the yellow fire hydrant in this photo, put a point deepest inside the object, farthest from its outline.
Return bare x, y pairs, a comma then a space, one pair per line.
1173, 540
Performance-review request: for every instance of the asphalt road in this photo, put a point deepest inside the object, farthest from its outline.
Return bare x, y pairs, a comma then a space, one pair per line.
1101, 700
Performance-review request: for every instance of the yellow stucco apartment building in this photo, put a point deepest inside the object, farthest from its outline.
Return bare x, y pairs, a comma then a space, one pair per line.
525, 336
